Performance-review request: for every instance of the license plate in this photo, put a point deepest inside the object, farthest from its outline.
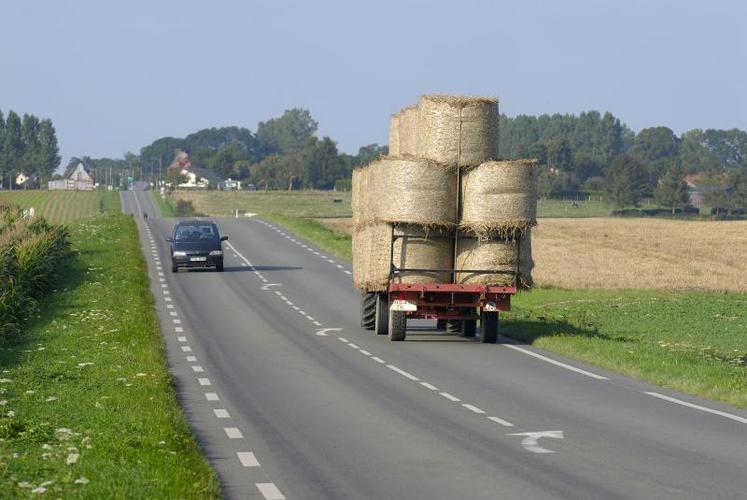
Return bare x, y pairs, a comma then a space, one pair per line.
403, 305
198, 259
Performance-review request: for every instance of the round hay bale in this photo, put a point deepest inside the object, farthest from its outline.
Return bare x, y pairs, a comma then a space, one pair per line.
358, 202
409, 131
458, 131
413, 191
372, 257
499, 198
394, 149
420, 248
493, 254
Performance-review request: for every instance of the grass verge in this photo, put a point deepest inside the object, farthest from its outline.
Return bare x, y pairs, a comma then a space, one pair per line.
165, 205
87, 406
337, 243
688, 341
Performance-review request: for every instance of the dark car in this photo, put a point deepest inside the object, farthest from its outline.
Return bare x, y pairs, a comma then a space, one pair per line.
196, 243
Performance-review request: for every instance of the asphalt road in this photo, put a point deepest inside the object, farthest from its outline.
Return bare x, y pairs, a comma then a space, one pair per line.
286, 407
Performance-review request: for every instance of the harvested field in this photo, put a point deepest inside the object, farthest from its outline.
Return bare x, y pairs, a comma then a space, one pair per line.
286, 203
634, 253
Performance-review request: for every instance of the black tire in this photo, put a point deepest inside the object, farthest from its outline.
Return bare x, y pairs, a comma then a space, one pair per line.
453, 326
441, 324
368, 311
397, 326
382, 314
488, 327
219, 267
174, 268
469, 327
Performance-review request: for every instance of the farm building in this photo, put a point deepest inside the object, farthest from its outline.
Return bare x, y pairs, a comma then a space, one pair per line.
78, 180
198, 178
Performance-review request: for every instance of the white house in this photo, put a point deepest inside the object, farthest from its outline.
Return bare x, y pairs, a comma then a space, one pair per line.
78, 180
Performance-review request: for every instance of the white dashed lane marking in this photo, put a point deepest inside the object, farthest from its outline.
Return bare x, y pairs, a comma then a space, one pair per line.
473, 409
450, 397
212, 396
247, 459
192, 359
181, 338
403, 373
504, 423
233, 433
204, 381
186, 348
198, 369
221, 413
270, 491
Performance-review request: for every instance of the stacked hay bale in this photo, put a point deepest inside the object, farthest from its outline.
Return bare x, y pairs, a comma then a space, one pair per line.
448, 203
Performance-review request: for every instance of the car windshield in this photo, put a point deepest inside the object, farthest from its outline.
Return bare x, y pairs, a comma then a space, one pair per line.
196, 232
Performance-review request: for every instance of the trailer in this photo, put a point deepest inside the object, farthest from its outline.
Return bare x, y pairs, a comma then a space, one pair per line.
455, 306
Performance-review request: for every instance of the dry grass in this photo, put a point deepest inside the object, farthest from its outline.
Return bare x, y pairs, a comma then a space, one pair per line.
286, 203
634, 253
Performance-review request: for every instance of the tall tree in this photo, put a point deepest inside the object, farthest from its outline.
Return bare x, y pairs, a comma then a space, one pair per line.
2, 148
626, 182
671, 192
655, 143
289, 133
323, 164
31, 146
49, 153
13, 148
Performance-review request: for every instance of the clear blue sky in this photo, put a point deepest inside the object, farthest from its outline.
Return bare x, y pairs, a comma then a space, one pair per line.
114, 77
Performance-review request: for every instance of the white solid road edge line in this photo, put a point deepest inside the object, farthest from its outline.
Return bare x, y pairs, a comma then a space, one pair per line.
698, 407
556, 363
270, 491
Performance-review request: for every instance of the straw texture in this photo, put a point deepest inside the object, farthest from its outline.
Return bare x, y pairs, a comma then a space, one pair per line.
458, 131
394, 149
409, 131
499, 198
497, 255
417, 248
413, 191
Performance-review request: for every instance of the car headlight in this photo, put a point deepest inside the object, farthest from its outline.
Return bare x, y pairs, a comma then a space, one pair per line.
216, 252
180, 254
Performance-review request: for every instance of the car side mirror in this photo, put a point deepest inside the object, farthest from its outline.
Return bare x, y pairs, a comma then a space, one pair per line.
223, 238
169, 239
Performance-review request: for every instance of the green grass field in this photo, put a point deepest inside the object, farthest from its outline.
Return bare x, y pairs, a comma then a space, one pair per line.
689, 341
64, 206
87, 405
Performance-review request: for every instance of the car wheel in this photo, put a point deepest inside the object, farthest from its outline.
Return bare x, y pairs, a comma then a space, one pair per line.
219, 267
174, 267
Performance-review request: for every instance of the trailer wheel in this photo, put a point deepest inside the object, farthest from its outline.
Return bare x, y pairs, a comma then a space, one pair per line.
381, 325
397, 325
441, 324
488, 327
453, 326
368, 310
469, 327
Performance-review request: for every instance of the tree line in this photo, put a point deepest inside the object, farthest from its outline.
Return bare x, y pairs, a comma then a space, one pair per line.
284, 153
596, 153
28, 146
588, 153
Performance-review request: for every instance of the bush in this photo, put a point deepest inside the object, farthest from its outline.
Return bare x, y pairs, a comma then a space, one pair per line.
31, 252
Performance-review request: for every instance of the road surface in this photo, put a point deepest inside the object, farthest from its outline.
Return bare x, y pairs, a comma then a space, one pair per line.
290, 398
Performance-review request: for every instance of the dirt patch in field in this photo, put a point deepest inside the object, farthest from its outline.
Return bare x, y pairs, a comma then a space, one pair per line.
633, 253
